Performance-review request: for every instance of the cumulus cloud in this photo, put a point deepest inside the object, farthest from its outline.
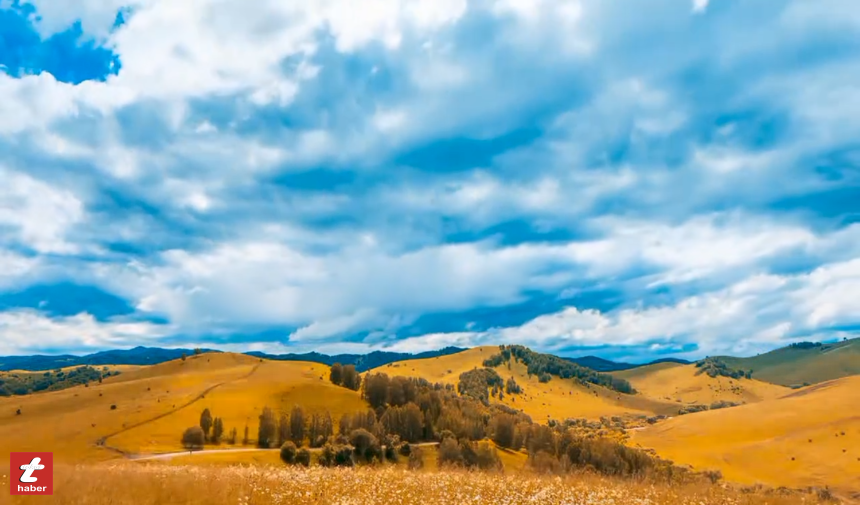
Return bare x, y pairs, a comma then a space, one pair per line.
336, 175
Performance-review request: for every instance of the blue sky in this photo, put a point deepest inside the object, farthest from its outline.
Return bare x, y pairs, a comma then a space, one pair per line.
630, 179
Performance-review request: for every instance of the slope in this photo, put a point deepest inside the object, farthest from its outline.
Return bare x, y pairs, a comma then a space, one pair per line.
69, 422
808, 438
804, 363
678, 383
556, 399
279, 385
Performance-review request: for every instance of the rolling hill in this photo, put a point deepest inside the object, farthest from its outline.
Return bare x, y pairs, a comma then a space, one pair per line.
146, 409
557, 399
810, 437
155, 355
806, 363
674, 382
605, 365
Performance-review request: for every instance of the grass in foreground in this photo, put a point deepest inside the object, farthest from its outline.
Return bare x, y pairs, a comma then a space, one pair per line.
119, 484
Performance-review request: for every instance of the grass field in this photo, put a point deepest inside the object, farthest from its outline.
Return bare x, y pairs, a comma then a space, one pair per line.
673, 382
233, 386
125, 483
809, 438
795, 366
557, 399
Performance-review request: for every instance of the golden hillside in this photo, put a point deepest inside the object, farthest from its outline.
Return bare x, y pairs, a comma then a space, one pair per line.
155, 403
674, 382
808, 438
556, 399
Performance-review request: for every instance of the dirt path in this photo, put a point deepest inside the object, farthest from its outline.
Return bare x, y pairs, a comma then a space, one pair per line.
102, 442
170, 455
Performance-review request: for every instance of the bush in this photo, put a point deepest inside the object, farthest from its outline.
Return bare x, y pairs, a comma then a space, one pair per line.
337, 455
416, 459
366, 445
193, 438
449, 453
288, 452
303, 457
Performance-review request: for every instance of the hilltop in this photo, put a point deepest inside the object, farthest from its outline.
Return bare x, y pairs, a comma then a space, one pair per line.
803, 363
683, 384
154, 355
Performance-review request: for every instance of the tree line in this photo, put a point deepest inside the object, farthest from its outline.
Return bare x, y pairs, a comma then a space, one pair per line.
26, 383
545, 366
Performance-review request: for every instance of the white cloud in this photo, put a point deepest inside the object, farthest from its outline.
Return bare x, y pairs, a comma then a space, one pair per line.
25, 331
700, 5
39, 214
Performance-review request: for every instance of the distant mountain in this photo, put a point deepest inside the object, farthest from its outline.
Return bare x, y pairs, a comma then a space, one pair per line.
605, 365
136, 356
802, 363
362, 362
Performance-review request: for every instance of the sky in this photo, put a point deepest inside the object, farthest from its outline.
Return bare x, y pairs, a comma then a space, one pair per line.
628, 179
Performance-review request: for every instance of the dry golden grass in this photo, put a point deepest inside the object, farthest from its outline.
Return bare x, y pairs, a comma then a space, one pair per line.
68, 422
556, 399
119, 484
808, 438
236, 386
277, 384
673, 382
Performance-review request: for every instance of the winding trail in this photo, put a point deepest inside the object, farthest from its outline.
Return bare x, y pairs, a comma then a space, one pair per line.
102, 441
169, 455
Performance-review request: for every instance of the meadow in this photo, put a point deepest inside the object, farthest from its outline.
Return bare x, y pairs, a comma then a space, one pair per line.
131, 484
127, 430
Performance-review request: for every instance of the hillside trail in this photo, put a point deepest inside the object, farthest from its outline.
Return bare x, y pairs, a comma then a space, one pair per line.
170, 455
102, 441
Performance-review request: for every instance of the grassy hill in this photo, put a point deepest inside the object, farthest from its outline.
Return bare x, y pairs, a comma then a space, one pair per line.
673, 382
811, 437
803, 364
557, 399
154, 404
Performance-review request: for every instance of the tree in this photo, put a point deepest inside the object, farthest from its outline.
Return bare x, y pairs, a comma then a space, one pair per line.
336, 375
246, 439
197, 351
366, 445
288, 453
503, 427
217, 430
283, 429
375, 389
351, 379
184, 356
193, 438
303, 457
267, 431
206, 422
233, 435
297, 425
320, 429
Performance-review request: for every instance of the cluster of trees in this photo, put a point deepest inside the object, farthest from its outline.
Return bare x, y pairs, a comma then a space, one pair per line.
294, 428
475, 384
715, 367
545, 366
209, 430
691, 409
345, 376
26, 383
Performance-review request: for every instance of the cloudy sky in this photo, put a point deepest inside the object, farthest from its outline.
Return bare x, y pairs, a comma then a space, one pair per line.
628, 179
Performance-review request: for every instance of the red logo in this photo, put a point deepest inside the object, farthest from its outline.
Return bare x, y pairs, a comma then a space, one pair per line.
32, 473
